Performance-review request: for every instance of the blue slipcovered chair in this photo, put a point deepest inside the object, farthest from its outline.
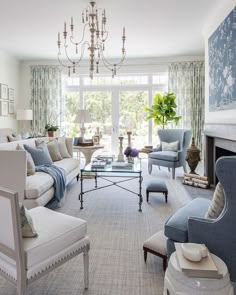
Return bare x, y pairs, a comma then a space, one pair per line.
189, 225
170, 159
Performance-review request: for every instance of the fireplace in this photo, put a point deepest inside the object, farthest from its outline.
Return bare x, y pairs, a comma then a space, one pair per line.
219, 140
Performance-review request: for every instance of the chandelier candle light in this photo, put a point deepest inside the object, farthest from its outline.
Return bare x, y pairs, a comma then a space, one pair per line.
94, 20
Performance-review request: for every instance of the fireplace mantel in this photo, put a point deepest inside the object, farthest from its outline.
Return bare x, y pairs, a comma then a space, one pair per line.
221, 136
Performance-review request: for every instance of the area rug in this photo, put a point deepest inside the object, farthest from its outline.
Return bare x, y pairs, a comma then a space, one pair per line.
117, 232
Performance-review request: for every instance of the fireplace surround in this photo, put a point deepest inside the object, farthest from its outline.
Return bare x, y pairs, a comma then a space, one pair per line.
219, 140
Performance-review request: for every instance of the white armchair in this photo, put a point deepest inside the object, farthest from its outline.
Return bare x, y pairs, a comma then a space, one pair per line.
60, 237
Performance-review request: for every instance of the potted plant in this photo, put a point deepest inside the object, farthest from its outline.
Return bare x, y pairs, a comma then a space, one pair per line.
50, 128
162, 110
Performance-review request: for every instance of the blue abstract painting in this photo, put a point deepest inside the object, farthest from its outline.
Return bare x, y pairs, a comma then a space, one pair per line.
222, 65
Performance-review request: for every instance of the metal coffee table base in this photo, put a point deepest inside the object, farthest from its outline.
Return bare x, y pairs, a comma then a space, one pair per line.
111, 183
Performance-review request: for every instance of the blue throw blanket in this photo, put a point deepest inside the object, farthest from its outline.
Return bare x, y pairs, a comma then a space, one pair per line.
58, 175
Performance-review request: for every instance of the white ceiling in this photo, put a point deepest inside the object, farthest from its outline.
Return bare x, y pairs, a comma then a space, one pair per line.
154, 28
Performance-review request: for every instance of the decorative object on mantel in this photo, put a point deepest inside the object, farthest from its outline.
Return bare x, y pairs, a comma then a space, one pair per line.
94, 20
24, 115
120, 155
193, 157
196, 180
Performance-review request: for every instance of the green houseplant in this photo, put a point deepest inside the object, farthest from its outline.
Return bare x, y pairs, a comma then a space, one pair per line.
162, 110
50, 128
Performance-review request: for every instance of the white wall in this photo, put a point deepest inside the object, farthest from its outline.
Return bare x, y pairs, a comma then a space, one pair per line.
226, 116
9, 75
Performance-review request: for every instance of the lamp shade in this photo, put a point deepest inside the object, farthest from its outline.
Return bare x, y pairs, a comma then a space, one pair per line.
82, 117
24, 115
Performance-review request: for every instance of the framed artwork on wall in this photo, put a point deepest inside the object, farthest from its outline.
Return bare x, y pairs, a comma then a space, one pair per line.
222, 66
3, 91
3, 108
11, 94
11, 108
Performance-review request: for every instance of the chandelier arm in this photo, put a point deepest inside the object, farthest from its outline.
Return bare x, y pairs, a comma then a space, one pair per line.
112, 65
61, 63
76, 61
82, 39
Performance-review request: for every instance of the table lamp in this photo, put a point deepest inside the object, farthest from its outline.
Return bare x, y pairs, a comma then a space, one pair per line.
82, 117
24, 115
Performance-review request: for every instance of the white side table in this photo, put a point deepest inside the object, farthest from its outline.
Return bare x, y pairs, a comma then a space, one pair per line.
87, 151
176, 282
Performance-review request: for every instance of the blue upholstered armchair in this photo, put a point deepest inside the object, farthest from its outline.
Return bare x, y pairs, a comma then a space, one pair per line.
167, 158
189, 225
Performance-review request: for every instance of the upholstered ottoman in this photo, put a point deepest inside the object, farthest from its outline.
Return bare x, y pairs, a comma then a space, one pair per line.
156, 186
156, 245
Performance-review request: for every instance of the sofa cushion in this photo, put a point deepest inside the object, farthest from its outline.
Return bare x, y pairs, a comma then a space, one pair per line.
68, 164
37, 184
40, 154
56, 232
63, 148
176, 227
30, 161
164, 155
53, 149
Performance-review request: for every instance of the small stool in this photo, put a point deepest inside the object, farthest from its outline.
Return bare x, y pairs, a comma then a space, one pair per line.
177, 282
156, 245
156, 186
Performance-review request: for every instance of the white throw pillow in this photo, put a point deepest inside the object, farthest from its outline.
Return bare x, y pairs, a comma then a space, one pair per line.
217, 204
30, 161
170, 146
63, 148
27, 226
53, 149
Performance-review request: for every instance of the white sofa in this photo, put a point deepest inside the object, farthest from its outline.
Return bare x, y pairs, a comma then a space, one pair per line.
35, 190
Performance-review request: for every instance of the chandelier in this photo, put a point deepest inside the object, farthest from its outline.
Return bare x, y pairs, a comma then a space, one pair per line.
94, 20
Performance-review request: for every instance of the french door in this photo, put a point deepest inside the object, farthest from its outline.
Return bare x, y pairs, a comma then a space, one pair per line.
114, 112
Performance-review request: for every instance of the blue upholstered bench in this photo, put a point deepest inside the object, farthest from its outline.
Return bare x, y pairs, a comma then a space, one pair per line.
156, 186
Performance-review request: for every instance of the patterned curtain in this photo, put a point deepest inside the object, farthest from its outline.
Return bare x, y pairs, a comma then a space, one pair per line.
187, 81
45, 96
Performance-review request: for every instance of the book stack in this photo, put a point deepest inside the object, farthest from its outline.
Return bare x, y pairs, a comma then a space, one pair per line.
98, 164
122, 165
196, 180
107, 158
205, 268
146, 149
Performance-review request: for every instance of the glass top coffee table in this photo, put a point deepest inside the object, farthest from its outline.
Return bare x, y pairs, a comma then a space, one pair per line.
123, 171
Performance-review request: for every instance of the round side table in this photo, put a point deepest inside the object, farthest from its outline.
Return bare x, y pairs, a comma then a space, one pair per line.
176, 282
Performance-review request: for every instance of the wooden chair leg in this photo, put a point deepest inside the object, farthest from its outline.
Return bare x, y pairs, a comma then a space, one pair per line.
147, 196
173, 173
86, 269
164, 263
145, 256
166, 196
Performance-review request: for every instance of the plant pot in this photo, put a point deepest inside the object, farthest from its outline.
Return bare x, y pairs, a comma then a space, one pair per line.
51, 133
